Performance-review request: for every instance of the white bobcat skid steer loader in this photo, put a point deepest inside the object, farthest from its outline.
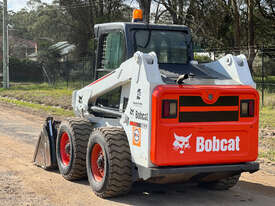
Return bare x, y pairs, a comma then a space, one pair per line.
153, 114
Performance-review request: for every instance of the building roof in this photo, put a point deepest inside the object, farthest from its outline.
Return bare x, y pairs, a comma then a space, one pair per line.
18, 42
63, 47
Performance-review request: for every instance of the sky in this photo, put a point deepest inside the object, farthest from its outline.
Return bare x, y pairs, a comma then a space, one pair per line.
17, 5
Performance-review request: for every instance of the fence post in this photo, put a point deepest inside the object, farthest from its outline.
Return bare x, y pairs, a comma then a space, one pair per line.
263, 76
83, 71
214, 55
67, 72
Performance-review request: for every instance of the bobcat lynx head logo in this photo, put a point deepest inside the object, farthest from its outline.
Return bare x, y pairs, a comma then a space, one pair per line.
181, 143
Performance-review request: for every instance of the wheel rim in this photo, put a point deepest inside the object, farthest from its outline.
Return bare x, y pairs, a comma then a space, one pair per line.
97, 163
65, 149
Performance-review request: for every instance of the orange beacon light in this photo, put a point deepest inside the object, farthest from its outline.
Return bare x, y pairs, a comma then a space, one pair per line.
137, 15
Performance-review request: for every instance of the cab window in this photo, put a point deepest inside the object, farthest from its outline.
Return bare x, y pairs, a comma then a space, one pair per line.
113, 51
170, 46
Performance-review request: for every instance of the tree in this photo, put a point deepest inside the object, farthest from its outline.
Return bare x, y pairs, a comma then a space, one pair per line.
177, 9
236, 22
251, 33
49, 61
216, 24
265, 21
42, 21
145, 6
86, 13
267, 8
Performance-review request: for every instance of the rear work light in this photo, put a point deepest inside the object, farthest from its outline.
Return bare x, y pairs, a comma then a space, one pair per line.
169, 109
247, 108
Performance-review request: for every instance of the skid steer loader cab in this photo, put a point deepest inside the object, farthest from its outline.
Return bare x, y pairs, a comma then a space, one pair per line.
153, 114
119, 41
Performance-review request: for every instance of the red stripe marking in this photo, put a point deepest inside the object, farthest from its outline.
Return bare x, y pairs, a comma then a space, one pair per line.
100, 79
136, 124
208, 109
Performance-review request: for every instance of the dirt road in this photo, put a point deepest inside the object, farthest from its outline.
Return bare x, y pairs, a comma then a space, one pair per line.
21, 183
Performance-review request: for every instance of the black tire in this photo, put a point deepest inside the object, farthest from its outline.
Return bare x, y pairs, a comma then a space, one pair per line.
78, 131
117, 177
222, 184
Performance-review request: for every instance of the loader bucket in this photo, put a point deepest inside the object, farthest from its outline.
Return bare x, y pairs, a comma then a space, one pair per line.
44, 154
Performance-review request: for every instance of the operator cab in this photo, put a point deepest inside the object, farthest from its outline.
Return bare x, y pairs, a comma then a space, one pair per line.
117, 42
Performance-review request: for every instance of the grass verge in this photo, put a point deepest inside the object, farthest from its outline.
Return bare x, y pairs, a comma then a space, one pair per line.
267, 147
40, 94
270, 155
267, 133
267, 117
38, 107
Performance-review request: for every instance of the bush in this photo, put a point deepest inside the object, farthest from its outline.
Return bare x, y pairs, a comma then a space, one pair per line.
202, 59
24, 70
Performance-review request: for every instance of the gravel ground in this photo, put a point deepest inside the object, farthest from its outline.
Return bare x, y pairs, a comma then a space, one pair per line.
21, 183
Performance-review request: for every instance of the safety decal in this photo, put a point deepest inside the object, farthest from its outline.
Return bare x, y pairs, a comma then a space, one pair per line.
138, 94
137, 124
139, 115
136, 136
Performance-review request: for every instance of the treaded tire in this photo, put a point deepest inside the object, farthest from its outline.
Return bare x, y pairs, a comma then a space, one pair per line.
117, 177
222, 184
78, 131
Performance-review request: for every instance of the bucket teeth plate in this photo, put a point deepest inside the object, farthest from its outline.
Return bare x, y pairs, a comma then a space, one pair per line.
44, 154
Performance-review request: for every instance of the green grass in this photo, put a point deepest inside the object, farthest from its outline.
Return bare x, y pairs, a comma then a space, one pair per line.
38, 107
269, 98
267, 147
270, 155
40, 94
267, 117
267, 79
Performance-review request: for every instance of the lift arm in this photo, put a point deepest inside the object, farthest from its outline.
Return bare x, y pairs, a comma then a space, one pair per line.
129, 71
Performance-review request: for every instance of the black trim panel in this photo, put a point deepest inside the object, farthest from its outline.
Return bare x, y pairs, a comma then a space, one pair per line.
216, 116
197, 101
146, 173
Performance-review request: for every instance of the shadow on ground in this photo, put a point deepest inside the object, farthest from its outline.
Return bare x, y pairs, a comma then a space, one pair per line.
244, 193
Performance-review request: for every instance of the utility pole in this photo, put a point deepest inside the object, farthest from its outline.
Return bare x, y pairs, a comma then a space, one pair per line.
5, 46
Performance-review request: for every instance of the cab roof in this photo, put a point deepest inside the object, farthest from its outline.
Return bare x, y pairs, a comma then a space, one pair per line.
127, 26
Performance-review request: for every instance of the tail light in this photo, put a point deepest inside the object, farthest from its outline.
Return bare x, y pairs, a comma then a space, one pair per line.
247, 108
169, 109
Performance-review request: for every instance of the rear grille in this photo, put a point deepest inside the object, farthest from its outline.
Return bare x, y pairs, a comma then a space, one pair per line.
215, 115
197, 101
209, 116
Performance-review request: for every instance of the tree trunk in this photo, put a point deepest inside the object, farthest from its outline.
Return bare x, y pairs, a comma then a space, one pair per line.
145, 6
157, 15
101, 8
176, 10
251, 34
237, 30
180, 12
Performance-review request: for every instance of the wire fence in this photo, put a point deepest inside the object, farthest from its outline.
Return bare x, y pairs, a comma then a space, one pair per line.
72, 72
77, 73
263, 67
